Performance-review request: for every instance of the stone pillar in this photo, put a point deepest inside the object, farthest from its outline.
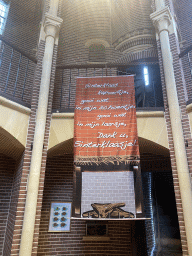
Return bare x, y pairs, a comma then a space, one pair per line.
50, 29
162, 20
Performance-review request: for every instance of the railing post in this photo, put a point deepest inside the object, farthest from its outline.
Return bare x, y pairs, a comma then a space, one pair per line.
9, 71
25, 79
17, 74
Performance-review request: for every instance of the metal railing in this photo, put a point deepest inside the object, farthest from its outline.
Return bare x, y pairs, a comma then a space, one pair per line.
65, 86
16, 73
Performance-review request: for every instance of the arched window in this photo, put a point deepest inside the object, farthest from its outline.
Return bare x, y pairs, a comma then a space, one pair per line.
3, 15
97, 53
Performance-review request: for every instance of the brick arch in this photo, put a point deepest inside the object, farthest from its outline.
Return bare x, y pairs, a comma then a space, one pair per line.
135, 56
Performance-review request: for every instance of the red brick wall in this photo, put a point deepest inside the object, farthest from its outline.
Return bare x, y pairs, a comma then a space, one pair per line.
172, 155
21, 31
59, 187
18, 202
22, 25
185, 125
65, 80
16, 75
44, 155
183, 11
7, 168
23, 168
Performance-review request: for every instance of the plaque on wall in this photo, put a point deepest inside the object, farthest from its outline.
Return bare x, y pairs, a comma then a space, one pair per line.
60, 217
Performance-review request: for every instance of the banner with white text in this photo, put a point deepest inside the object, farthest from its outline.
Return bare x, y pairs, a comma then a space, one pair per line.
105, 128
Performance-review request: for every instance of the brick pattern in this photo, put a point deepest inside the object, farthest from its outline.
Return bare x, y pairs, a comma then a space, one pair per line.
181, 96
137, 41
108, 187
153, 162
82, 22
65, 80
59, 187
16, 75
130, 17
44, 155
65, 85
24, 167
12, 219
7, 168
22, 25
135, 56
23, 171
183, 12
21, 31
172, 155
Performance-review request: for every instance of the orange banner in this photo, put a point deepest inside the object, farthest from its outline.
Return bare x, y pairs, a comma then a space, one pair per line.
105, 129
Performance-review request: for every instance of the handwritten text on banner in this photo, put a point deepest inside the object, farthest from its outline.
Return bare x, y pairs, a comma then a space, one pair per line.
105, 119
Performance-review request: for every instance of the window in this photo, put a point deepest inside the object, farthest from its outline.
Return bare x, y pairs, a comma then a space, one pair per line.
148, 90
146, 76
3, 15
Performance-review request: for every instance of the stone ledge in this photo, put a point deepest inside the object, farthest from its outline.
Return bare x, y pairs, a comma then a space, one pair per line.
15, 106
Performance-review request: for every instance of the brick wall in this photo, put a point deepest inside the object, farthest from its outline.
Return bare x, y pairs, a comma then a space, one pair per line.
65, 84
130, 18
13, 208
185, 125
173, 161
183, 11
44, 154
21, 31
16, 220
83, 21
18, 202
22, 26
16, 75
59, 187
7, 168
108, 187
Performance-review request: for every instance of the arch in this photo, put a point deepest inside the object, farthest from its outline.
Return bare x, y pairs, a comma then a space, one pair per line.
14, 119
145, 146
9, 145
65, 147
150, 125
135, 56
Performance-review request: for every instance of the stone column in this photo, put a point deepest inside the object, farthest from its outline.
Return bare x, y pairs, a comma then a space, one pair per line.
162, 20
50, 30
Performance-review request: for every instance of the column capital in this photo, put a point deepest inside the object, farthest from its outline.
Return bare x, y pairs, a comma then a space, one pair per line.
51, 25
162, 19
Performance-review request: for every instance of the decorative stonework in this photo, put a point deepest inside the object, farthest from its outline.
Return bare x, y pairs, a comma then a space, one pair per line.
134, 34
127, 45
162, 19
50, 27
